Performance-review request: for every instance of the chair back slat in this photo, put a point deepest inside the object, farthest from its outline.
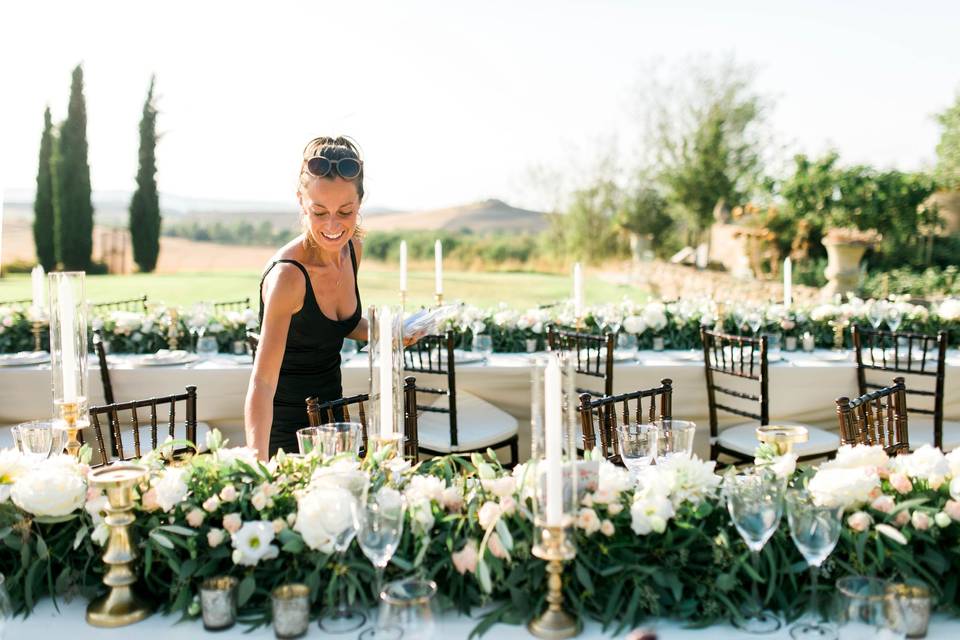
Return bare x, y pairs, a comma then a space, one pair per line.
599, 418
434, 355
876, 418
113, 413
737, 357
133, 304
231, 305
905, 353
593, 355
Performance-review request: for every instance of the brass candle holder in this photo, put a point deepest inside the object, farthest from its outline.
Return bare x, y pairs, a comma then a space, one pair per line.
839, 325
36, 328
173, 333
782, 437
555, 547
403, 300
69, 412
438, 298
121, 605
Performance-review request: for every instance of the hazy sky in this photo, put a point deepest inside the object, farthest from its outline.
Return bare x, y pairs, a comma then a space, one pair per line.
452, 101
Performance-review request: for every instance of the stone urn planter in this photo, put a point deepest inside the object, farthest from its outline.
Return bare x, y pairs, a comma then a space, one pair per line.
845, 249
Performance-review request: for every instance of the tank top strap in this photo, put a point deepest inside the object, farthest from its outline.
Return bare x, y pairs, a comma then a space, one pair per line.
303, 270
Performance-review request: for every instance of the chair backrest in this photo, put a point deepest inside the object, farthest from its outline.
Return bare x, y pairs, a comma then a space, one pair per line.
113, 412
104, 367
598, 416
594, 355
319, 413
434, 355
231, 305
133, 304
11, 303
736, 357
915, 354
253, 341
876, 418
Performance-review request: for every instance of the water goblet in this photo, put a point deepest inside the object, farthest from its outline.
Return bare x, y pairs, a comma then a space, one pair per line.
894, 317
483, 344
877, 313
341, 437
34, 439
379, 523
754, 319
815, 530
207, 345
638, 445
342, 492
755, 504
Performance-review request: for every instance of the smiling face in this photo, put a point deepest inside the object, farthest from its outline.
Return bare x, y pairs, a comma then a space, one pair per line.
329, 208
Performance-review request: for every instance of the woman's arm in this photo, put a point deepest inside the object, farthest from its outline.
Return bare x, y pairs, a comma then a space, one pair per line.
283, 291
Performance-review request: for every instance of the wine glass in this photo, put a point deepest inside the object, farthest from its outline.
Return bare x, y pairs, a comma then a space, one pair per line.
894, 317
815, 530
614, 319
754, 319
379, 522
877, 313
342, 491
34, 439
638, 445
755, 504
340, 437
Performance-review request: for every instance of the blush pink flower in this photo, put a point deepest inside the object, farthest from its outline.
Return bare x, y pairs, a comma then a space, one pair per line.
859, 521
195, 518
952, 509
883, 504
902, 518
496, 547
149, 500
901, 483
465, 560
920, 520
232, 522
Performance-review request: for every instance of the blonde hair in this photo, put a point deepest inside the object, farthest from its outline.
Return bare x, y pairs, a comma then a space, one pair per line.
332, 148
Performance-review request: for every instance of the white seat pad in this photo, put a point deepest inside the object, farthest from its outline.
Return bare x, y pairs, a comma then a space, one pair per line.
479, 425
920, 432
743, 439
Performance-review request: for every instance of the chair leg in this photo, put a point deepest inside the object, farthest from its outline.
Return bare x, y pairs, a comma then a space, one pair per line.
514, 452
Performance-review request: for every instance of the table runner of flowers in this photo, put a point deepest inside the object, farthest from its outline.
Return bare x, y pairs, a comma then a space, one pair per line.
678, 323
660, 544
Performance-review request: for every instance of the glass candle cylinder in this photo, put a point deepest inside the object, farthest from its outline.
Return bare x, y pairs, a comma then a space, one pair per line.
68, 352
386, 371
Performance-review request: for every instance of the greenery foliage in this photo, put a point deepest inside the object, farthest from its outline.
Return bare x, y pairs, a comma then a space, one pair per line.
43, 221
948, 149
145, 206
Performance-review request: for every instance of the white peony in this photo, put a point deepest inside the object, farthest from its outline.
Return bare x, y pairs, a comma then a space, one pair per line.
926, 463
12, 465
322, 515
843, 487
634, 325
687, 478
953, 459
228, 455
252, 543
655, 316
858, 457
425, 488
650, 514
171, 488
501, 487
53, 487
950, 309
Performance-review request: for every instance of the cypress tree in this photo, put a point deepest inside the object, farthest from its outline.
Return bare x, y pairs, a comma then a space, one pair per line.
43, 203
145, 205
73, 208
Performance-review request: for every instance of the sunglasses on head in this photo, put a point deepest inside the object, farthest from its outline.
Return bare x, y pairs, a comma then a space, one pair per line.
347, 168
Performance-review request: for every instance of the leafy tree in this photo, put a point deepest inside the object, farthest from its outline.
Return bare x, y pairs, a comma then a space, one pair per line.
73, 208
948, 150
586, 231
644, 211
145, 217
43, 221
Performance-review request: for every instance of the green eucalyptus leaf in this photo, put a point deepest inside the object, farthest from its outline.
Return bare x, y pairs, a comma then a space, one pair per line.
246, 589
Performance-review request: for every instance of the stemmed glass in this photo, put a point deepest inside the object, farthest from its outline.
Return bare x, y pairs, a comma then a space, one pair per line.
815, 530
894, 317
877, 313
379, 522
754, 319
638, 445
343, 492
755, 503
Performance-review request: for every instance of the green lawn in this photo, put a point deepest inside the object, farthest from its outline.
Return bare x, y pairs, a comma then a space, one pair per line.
378, 285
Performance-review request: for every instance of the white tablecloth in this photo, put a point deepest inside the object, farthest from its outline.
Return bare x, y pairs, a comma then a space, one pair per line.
45, 622
803, 387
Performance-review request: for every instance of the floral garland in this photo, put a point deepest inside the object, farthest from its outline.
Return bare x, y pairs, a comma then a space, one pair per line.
660, 544
676, 323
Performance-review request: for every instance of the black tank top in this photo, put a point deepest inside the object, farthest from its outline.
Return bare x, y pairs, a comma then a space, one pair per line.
311, 360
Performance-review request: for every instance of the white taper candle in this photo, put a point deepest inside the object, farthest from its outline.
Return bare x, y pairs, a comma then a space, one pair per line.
438, 266
403, 266
553, 435
385, 325
787, 282
68, 352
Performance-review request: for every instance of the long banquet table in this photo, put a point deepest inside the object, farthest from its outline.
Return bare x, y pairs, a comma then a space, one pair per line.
46, 622
803, 386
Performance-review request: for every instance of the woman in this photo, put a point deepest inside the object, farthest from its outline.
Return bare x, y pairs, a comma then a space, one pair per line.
309, 299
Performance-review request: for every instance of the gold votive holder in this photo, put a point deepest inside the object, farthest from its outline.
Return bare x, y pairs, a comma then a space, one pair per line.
218, 602
554, 545
915, 605
782, 437
291, 610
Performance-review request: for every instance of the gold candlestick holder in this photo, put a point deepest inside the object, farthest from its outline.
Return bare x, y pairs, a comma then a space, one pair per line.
438, 298
555, 547
839, 325
782, 437
173, 333
36, 328
403, 300
121, 605
69, 413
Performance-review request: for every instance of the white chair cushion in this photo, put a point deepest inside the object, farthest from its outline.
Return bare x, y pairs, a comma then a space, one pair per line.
479, 425
743, 439
920, 432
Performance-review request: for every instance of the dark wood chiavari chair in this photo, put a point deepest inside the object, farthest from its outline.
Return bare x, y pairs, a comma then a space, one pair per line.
594, 354
877, 418
127, 438
16, 303
231, 305
912, 354
133, 304
598, 416
253, 341
742, 362
467, 423
319, 413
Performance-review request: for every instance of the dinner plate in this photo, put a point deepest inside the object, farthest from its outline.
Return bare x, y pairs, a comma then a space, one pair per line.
24, 358
163, 358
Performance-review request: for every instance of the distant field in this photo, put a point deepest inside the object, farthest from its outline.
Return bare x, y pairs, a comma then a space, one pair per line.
378, 285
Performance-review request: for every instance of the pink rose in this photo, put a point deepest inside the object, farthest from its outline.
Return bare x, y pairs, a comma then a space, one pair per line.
920, 520
228, 493
606, 528
883, 504
465, 560
488, 514
232, 522
952, 509
902, 518
149, 501
195, 518
901, 483
614, 508
508, 505
496, 547
215, 537
211, 504
859, 521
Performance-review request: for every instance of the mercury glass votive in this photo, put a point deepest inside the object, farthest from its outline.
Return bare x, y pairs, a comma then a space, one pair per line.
291, 610
218, 602
915, 607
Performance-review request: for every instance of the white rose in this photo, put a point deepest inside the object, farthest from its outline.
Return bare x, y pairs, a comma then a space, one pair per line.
950, 309
926, 463
54, 487
501, 487
942, 520
859, 521
322, 515
215, 537
606, 528
171, 488
425, 487
857, 457
843, 487
634, 325
252, 543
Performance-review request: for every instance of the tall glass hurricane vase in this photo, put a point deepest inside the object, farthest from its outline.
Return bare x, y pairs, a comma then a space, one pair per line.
385, 351
68, 353
755, 503
815, 530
